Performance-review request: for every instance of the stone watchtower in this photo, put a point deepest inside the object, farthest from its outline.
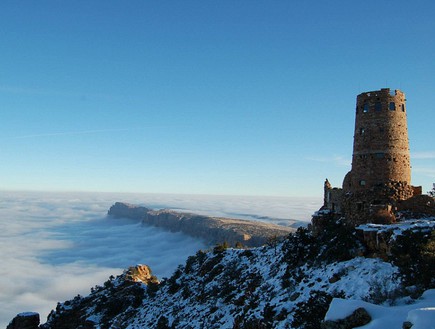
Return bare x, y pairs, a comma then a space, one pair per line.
380, 177
380, 145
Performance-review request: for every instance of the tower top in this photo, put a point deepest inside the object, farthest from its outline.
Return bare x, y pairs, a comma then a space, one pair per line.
382, 92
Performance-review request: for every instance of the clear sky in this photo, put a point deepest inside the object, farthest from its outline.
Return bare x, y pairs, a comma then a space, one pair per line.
214, 97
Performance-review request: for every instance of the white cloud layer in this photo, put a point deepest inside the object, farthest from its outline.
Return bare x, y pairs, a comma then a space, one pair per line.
55, 246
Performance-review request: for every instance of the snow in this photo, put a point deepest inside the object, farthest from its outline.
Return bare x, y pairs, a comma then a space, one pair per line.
26, 314
421, 314
357, 278
94, 318
422, 318
398, 228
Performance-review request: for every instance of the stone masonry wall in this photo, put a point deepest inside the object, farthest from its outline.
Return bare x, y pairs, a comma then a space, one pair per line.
381, 147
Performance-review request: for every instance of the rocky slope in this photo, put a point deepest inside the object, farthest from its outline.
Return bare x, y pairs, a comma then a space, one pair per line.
214, 230
289, 284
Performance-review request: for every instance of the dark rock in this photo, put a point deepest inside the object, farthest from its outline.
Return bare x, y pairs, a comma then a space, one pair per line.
27, 320
294, 296
335, 277
358, 318
407, 325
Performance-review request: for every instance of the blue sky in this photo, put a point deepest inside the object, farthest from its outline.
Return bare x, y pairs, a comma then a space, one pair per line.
204, 97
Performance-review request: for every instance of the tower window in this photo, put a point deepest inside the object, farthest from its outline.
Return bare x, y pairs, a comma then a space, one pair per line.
362, 182
403, 107
366, 108
379, 155
392, 106
362, 131
378, 106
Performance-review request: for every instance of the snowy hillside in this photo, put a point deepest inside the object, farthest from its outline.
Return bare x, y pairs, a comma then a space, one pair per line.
288, 284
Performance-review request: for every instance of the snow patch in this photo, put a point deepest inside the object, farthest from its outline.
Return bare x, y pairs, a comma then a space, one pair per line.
421, 314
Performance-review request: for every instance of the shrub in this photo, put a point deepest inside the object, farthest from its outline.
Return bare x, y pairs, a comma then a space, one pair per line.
241, 323
162, 323
152, 288
200, 257
414, 254
334, 244
268, 314
173, 286
309, 314
432, 192
189, 264
247, 253
221, 247
299, 247
114, 306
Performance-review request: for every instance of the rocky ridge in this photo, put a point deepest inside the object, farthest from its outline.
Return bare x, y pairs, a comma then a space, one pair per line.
213, 230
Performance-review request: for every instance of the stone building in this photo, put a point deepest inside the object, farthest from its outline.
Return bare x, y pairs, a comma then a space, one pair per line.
380, 179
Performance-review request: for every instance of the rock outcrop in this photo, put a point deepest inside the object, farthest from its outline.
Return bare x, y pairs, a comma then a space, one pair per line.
140, 273
26, 320
213, 230
379, 239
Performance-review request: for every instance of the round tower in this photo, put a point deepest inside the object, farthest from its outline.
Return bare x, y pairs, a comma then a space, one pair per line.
379, 184
381, 147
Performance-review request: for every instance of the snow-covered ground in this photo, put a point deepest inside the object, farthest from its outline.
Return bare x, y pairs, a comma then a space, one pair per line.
54, 246
426, 224
421, 314
357, 279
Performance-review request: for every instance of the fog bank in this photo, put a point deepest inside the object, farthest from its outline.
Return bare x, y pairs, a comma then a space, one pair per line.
57, 245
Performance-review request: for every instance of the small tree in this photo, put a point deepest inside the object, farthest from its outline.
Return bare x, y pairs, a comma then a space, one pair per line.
272, 241
432, 192
221, 247
309, 314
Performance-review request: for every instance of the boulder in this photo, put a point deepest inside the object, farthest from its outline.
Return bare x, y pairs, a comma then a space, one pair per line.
358, 318
26, 320
407, 325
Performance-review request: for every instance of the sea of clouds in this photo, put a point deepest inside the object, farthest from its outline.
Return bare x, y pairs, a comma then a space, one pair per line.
54, 246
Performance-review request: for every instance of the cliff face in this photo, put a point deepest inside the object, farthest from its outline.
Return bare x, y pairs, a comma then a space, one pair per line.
213, 230
126, 210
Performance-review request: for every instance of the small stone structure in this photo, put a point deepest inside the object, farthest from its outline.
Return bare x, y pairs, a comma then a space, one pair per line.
379, 183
